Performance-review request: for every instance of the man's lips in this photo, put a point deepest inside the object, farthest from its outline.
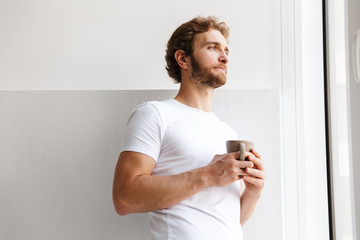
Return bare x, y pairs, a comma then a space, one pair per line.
220, 68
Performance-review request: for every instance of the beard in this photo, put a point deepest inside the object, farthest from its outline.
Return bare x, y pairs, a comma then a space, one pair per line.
204, 76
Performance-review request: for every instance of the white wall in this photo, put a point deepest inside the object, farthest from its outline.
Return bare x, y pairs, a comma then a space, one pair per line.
93, 45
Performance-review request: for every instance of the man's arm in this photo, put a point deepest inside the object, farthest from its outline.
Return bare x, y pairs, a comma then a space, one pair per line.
136, 190
254, 183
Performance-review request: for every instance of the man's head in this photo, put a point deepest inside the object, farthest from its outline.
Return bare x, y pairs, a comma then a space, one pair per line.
184, 38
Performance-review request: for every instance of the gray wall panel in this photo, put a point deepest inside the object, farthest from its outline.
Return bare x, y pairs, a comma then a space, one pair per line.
59, 149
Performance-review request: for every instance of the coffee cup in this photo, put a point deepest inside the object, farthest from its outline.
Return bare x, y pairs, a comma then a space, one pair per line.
239, 145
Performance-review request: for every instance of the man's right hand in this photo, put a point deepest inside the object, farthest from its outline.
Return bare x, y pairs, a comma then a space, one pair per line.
226, 169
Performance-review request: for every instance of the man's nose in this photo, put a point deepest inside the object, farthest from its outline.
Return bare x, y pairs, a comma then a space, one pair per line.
223, 57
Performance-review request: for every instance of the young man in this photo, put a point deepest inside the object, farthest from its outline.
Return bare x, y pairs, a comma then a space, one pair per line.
169, 165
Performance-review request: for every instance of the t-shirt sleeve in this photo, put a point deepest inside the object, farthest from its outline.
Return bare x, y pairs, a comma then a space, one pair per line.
144, 131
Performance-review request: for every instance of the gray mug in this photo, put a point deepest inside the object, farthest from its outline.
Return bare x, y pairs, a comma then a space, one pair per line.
239, 145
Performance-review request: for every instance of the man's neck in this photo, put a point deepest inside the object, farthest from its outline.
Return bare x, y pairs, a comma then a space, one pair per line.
199, 97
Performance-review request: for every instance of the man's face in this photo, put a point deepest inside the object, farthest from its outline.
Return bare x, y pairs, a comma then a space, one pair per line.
209, 59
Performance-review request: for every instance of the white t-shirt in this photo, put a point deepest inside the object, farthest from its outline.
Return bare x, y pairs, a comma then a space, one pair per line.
180, 138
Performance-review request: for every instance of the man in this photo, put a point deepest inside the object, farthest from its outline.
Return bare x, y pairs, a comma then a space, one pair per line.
169, 165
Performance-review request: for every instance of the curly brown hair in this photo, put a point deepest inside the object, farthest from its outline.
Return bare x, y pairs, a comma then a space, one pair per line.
182, 39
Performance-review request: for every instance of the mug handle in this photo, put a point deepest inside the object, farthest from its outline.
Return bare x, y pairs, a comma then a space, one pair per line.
242, 152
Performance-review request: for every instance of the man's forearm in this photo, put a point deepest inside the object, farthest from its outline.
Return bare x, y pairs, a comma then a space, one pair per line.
248, 204
135, 189
146, 193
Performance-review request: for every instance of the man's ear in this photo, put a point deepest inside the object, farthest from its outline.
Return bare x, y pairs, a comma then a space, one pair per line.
181, 59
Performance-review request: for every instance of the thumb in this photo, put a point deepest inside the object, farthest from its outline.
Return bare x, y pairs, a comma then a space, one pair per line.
235, 155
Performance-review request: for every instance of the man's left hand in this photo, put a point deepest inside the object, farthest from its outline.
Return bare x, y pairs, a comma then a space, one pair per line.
255, 181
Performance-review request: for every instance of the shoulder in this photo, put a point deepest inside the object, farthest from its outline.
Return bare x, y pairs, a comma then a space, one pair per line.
154, 106
152, 111
146, 109
160, 108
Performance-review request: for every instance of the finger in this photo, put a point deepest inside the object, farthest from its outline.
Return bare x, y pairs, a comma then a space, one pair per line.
256, 173
257, 161
255, 181
242, 172
249, 154
235, 155
256, 153
245, 164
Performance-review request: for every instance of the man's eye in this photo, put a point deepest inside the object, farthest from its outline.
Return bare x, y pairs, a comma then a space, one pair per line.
212, 47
